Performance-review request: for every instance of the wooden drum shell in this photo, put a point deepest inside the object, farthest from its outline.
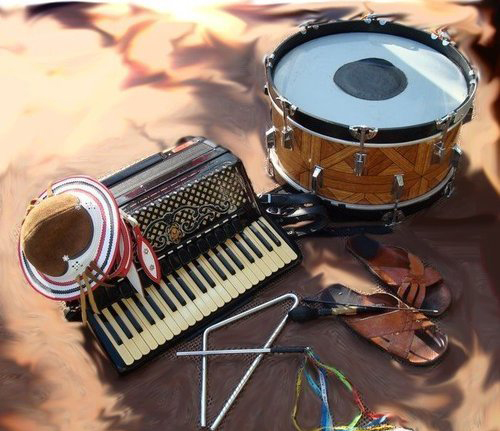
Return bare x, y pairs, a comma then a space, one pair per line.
423, 172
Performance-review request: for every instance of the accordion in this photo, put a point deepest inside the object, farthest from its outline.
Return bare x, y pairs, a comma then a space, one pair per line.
215, 245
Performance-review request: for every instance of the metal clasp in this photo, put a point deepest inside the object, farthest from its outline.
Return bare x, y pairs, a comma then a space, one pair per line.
287, 132
310, 24
381, 19
363, 134
316, 178
443, 36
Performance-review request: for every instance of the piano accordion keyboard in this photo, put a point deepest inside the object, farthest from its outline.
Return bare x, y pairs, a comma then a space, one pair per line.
134, 327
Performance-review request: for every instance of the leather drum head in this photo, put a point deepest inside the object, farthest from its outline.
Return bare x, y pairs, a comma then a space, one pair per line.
371, 79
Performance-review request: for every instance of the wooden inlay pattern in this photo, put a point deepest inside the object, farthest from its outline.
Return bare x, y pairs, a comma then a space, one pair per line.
421, 169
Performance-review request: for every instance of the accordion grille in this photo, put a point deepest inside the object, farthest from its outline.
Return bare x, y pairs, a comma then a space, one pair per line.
168, 219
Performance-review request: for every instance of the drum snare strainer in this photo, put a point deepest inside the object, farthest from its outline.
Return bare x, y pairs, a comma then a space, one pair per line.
366, 113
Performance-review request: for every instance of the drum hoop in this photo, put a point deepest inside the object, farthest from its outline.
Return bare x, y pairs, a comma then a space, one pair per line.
341, 131
366, 207
370, 144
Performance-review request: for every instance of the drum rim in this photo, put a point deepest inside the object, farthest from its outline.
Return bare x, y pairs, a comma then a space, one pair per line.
274, 159
384, 135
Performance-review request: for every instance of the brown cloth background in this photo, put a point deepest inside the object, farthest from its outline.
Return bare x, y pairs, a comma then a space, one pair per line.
89, 89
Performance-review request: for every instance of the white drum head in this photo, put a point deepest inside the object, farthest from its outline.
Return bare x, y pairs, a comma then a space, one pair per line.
434, 85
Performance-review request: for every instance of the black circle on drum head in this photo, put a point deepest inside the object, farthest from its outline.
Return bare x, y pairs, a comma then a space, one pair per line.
371, 79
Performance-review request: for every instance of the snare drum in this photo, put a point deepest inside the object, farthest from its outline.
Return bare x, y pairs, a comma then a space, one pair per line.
367, 113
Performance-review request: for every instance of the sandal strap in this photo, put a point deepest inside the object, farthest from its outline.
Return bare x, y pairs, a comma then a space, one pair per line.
380, 325
394, 331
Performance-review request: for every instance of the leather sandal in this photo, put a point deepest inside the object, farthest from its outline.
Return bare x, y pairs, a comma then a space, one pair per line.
418, 285
407, 334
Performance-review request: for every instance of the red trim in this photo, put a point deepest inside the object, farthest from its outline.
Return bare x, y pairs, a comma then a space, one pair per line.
141, 240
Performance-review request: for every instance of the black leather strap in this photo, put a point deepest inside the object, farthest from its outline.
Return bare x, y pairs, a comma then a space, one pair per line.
302, 214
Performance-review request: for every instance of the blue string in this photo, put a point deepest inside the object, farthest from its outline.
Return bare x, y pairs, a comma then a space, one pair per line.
326, 416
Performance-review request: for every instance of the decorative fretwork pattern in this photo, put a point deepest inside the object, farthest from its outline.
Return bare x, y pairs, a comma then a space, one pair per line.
189, 209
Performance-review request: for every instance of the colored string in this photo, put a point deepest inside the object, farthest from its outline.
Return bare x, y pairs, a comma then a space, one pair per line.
311, 367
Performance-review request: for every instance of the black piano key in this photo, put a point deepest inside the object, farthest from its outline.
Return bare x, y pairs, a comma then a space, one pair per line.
220, 235
244, 250
251, 245
184, 287
165, 297
165, 266
237, 225
204, 274
183, 255
268, 232
229, 229
193, 251
101, 335
120, 323
233, 257
225, 262
203, 245
126, 288
130, 316
110, 329
154, 305
264, 241
194, 277
174, 260
143, 310
215, 267
114, 293
101, 297
212, 240
177, 295
145, 280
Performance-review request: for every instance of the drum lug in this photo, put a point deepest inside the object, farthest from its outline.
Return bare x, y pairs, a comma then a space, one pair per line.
270, 144
362, 134
456, 156
455, 161
442, 124
438, 151
287, 132
359, 163
396, 215
316, 178
271, 137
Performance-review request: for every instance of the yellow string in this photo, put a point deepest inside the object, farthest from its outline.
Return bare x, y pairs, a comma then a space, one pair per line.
93, 304
83, 303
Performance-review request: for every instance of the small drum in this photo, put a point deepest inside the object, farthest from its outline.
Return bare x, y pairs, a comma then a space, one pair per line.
366, 113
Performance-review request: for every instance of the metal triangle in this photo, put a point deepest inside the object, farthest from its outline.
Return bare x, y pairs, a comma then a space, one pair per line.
253, 366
